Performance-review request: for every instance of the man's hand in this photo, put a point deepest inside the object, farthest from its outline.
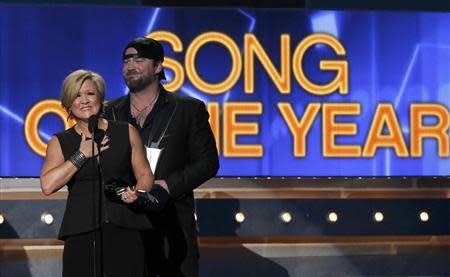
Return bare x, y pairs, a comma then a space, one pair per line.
163, 184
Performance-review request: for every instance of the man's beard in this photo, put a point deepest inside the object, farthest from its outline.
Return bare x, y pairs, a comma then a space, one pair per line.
138, 84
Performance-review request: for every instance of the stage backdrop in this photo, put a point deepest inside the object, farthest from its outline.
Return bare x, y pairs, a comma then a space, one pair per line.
290, 92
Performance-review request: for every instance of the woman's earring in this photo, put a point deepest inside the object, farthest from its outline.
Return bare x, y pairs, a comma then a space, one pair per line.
70, 114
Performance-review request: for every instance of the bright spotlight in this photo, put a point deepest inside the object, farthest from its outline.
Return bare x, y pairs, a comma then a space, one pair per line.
424, 216
332, 217
239, 217
378, 216
286, 217
47, 218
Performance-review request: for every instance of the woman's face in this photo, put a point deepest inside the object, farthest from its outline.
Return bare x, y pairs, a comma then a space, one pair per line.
87, 102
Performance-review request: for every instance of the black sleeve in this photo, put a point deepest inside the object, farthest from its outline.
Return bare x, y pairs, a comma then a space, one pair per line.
203, 161
153, 201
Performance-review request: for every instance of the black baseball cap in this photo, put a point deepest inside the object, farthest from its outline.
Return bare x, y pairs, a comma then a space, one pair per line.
147, 48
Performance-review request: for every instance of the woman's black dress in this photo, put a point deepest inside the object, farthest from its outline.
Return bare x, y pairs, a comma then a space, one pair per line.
123, 252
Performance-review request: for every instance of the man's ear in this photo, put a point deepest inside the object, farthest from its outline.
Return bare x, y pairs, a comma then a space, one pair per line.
159, 67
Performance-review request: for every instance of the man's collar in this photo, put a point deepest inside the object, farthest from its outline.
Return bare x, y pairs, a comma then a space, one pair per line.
125, 102
121, 111
161, 102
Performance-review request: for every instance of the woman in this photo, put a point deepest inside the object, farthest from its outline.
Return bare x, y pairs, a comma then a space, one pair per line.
69, 161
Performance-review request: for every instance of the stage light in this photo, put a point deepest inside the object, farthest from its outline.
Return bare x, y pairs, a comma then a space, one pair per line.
286, 217
47, 218
239, 217
325, 22
424, 216
332, 217
2, 219
195, 216
378, 216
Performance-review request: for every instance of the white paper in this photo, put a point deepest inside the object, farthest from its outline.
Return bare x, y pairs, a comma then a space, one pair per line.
153, 155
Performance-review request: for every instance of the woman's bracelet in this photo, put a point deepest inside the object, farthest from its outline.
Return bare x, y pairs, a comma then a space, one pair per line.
78, 159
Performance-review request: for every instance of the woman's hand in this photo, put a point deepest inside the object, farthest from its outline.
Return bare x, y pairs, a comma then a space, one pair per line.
130, 195
86, 146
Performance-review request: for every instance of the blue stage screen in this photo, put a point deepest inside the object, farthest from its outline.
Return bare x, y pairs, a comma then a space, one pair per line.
290, 92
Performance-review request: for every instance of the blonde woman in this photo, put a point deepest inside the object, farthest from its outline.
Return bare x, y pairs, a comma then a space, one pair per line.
69, 162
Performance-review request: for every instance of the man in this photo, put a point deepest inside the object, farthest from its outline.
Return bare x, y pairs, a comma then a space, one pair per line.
179, 126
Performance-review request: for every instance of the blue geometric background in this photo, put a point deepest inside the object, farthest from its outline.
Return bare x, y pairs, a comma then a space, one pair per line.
394, 57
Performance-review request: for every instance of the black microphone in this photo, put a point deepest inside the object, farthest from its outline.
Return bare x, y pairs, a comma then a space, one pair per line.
93, 122
97, 133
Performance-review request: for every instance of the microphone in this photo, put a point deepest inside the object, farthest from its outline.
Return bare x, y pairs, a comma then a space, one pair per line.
97, 133
93, 122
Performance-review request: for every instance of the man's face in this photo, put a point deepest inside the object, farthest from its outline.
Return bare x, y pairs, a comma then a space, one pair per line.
139, 72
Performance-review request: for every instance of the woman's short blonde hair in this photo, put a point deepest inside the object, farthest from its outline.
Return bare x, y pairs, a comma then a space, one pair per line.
73, 82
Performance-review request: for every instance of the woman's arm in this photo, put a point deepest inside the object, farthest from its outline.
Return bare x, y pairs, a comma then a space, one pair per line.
152, 201
139, 162
56, 172
146, 196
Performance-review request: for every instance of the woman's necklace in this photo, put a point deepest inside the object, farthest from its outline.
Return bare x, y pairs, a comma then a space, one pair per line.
140, 114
